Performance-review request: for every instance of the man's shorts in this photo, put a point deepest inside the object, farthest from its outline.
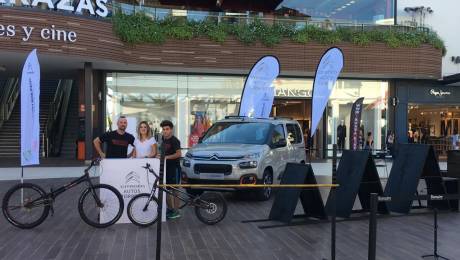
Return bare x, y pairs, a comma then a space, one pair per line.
173, 175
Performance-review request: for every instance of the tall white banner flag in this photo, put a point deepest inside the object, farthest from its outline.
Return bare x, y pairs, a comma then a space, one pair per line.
258, 91
30, 110
327, 72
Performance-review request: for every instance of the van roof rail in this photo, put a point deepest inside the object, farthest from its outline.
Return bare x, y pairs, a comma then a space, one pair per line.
235, 117
283, 117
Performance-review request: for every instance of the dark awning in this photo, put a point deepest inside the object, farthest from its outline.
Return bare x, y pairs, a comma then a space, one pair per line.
451, 79
227, 5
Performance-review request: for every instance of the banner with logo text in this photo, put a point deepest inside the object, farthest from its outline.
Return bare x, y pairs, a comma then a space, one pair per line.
259, 92
30, 110
327, 72
355, 123
130, 179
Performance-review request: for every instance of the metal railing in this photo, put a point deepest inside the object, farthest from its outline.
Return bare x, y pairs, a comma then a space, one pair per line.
159, 14
8, 99
298, 22
57, 115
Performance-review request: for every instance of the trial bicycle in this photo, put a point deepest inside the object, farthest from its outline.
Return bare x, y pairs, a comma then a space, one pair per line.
142, 210
27, 205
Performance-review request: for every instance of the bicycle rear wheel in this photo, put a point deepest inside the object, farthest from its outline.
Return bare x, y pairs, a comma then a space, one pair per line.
105, 214
24, 205
142, 210
211, 208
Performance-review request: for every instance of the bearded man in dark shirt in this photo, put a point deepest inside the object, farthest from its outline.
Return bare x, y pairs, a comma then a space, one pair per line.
117, 141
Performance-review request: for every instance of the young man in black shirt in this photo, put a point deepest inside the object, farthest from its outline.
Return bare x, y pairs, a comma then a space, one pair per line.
170, 151
117, 141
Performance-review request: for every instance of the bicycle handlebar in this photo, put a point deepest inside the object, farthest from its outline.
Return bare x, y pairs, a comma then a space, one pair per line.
147, 167
94, 162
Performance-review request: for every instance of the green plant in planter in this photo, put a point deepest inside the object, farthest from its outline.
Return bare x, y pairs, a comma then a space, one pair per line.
139, 28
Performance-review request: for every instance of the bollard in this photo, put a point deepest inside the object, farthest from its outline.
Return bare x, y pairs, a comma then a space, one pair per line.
373, 227
160, 210
334, 163
333, 222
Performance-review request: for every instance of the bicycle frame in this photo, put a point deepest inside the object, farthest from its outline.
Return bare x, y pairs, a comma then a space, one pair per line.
183, 196
48, 198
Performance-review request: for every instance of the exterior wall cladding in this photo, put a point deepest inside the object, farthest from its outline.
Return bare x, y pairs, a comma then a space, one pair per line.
96, 41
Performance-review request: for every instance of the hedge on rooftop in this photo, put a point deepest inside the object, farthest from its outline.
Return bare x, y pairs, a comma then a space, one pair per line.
139, 28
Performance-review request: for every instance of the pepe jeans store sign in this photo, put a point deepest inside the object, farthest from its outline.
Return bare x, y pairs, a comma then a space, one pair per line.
129, 178
50, 33
439, 93
434, 94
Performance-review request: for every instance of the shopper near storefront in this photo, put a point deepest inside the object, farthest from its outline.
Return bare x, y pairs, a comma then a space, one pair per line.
170, 151
455, 140
341, 135
117, 141
390, 142
145, 145
369, 142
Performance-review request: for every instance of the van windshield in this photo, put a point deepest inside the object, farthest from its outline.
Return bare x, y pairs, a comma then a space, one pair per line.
237, 133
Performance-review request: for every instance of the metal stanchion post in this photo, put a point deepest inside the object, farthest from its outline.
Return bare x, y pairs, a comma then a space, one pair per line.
435, 254
334, 207
333, 222
160, 208
373, 227
334, 163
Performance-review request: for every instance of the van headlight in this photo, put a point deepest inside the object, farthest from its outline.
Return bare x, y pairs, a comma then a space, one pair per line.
186, 163
188, 155
248, 165
252, 156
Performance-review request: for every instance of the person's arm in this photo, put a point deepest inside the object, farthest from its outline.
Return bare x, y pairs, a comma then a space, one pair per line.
133, 153
154, 152
177, 154
97, 144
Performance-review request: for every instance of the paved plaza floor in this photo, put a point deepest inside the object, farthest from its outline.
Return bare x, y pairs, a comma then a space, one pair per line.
65, 236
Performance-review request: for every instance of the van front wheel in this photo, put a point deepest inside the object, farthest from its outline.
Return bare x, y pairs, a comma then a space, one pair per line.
264, 194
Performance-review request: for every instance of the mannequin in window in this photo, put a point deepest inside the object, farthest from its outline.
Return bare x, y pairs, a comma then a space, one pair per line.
341, 135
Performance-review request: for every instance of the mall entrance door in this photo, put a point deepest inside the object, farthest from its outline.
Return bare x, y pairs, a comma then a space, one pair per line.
297, 109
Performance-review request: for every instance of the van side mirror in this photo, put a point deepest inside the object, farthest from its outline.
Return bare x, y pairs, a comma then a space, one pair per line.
280, 143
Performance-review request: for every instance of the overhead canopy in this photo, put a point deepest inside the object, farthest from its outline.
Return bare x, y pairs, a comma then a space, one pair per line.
227, 5
455, 78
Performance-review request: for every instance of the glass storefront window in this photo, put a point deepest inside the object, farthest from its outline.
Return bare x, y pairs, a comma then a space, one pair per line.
211, 98
434, 124
373, 118
191, 102
195, 102
140, 97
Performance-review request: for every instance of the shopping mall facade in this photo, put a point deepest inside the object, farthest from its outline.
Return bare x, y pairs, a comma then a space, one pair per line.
197, 81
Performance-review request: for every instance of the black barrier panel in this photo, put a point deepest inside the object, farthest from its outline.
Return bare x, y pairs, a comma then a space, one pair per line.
434, 181
286, 199
414, 161
370, 183
356, 175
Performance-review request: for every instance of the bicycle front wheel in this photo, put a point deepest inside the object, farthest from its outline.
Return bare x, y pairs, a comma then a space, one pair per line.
25, 206
105, 213
143, 210
211, 208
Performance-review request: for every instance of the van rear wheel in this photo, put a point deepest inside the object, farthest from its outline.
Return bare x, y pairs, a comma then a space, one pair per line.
264, 194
